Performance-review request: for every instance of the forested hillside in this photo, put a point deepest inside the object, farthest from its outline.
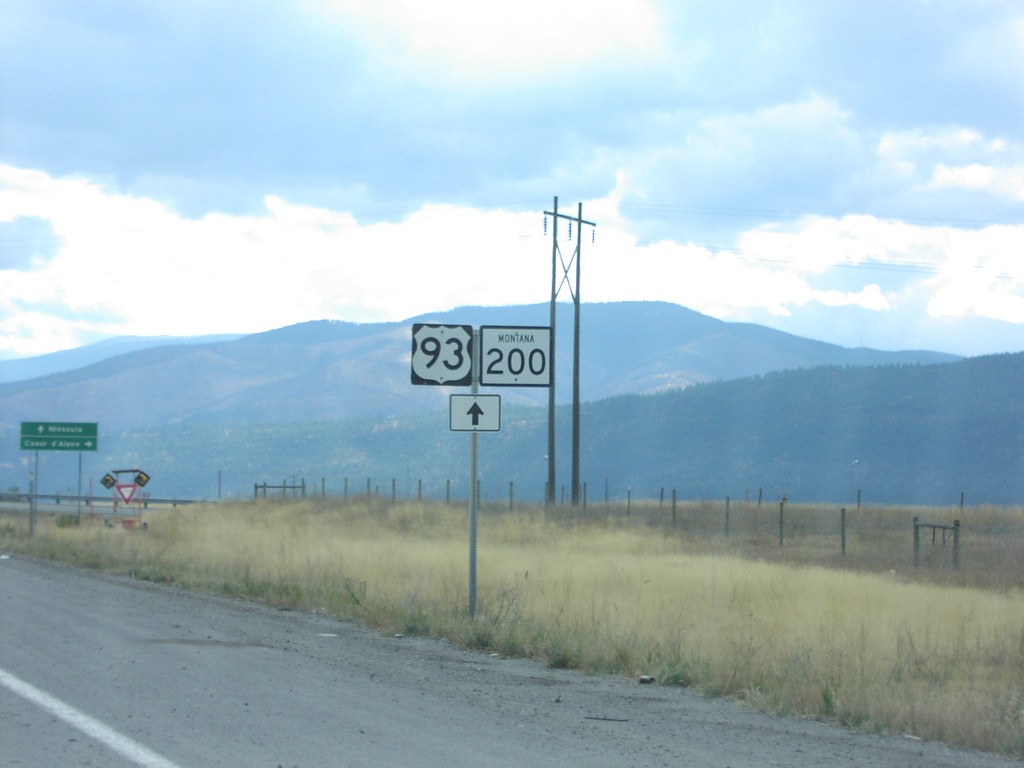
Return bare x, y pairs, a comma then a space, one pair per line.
905, 433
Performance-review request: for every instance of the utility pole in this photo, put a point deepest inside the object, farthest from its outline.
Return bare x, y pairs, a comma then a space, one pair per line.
573, 286
549, 491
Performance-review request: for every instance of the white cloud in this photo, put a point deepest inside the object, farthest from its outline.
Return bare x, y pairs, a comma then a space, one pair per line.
979, 298
957, 157
723, 284
981, 276
780, 269
1005, 182
478, 41
128, 264
869, 297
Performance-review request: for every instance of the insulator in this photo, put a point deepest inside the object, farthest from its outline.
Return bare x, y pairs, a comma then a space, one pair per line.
545, 225
570, 230
592, 236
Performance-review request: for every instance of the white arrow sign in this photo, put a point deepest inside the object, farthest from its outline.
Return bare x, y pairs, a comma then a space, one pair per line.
475, 413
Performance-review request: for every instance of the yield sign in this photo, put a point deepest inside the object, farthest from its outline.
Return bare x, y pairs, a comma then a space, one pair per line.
126, 491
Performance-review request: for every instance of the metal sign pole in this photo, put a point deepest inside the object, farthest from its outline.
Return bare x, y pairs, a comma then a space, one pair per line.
33, 488
79, 486
474, 500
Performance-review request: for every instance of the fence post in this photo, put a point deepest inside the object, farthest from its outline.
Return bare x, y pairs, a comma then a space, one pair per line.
394, 490
673, 507
419, 489
584, 498
956, 544
782, 526
726, 517
661, 500
842, 528
917, 542
511, 493
448, 491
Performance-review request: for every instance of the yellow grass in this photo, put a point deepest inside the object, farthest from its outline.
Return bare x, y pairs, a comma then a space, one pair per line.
875, 650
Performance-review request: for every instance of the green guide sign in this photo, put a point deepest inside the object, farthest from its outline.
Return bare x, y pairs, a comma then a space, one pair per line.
58, 436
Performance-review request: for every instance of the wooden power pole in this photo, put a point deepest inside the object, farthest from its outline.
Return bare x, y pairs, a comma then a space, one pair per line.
572, 283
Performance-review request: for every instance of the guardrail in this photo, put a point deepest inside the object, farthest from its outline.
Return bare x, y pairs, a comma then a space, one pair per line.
63, 501
74, 506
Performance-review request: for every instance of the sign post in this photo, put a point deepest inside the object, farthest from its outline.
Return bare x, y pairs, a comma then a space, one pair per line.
493, 356
56, 436
124, 491
474, 484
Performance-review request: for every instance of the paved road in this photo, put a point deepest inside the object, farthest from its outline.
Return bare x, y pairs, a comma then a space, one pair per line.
100, 671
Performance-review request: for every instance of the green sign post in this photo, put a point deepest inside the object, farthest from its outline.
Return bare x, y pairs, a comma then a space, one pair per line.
58, 436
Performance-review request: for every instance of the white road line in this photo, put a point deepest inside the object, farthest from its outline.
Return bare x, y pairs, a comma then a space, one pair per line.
124, 746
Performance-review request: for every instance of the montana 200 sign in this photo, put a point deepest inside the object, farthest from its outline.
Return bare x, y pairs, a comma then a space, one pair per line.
58, 436
515, 356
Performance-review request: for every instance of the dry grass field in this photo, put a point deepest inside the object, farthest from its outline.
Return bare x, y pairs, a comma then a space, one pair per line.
863, 638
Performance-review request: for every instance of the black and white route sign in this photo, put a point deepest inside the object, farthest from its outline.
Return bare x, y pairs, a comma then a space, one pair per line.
515, 356
475, 413
442, 354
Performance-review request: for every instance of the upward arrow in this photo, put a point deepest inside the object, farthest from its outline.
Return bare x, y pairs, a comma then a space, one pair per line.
476, 412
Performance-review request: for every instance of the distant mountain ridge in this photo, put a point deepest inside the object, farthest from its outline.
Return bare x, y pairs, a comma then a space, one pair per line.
899, 433
331, 370
672, 400
22, 369
891, 434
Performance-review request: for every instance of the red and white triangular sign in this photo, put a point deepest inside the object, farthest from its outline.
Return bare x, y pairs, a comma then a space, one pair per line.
127, 491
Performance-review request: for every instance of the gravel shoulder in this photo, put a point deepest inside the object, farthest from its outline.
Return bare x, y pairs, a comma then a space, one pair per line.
214, 681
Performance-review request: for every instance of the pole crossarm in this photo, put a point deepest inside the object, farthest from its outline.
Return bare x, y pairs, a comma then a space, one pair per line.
570, 218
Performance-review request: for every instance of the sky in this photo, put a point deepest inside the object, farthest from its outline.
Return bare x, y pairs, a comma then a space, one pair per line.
845, 171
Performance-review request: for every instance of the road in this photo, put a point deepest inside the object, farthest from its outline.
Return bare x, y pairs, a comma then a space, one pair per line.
104, 671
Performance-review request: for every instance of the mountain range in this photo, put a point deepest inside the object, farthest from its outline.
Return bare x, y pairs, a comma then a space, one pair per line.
671, 398
329, 370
